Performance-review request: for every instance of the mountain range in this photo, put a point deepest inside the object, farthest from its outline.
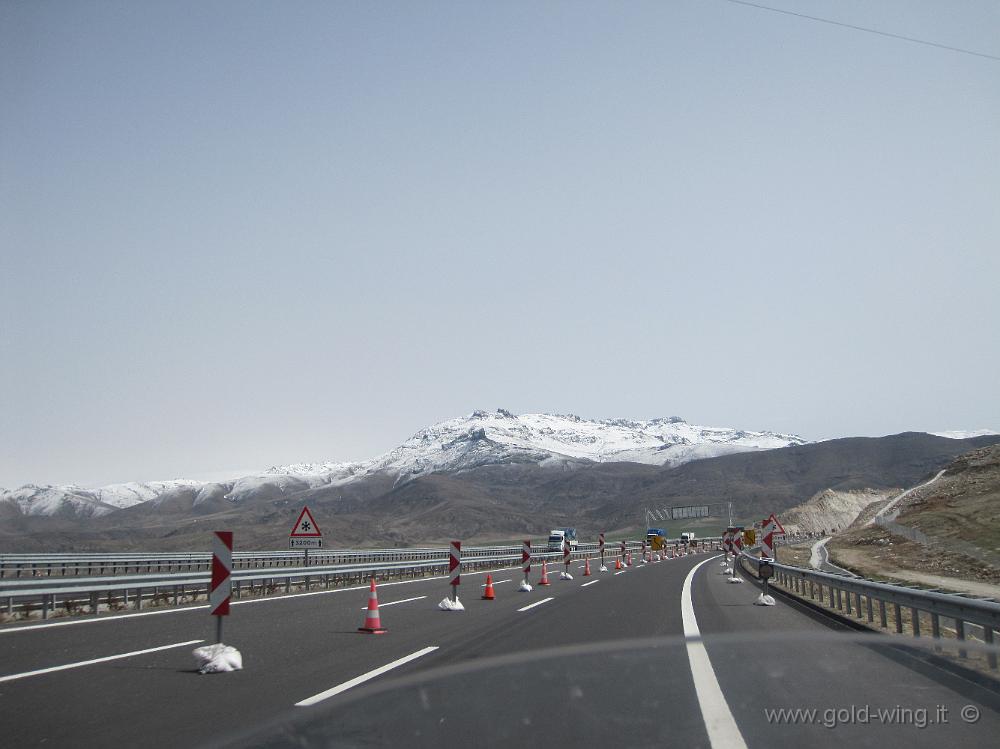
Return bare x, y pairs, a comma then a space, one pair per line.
484, 477
480, 439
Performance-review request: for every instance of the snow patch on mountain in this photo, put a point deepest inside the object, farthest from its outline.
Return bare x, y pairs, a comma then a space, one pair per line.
957, 434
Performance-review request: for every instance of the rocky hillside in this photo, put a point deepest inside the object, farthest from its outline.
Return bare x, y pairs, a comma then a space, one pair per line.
829, 511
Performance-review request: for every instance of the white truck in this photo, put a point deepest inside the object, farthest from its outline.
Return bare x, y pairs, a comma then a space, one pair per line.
687, 537
558, 535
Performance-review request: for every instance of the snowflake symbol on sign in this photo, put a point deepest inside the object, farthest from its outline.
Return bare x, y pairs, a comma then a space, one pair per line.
305, 525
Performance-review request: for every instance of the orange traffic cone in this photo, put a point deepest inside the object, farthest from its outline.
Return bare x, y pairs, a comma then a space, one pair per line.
373, 624
488, 594
586, 567
545, 575
618, 563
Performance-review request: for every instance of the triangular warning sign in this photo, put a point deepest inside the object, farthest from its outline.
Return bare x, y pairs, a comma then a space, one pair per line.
778, 528
305, 526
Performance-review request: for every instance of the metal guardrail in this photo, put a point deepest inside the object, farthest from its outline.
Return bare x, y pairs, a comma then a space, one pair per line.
100, 563
113, 563
76, 592
839, 590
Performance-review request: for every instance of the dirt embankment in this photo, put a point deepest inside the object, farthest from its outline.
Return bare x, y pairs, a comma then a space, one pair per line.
830, 511
960, 515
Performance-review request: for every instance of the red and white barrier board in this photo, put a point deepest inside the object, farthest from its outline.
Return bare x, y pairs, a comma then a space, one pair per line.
455, 563
526, 559
222, 567
771, 528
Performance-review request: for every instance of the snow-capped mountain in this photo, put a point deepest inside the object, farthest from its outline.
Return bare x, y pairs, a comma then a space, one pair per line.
497, 437
50, 500
479, 439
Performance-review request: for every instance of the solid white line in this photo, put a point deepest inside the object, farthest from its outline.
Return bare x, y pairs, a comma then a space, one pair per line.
536, 603
495, 582
393, 603
40, 671
723, 733
620, 572
590, 583
364, 677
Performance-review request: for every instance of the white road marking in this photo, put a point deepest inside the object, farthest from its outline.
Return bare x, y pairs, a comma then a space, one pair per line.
364, 677
393, 603
590, 583
185, 609
495, 582
620, 573
536, 603
723, 733
91, 662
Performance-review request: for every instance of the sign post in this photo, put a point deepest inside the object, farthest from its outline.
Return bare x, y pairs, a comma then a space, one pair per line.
600, 545
222, 584
455, 568
305, 534
526, 564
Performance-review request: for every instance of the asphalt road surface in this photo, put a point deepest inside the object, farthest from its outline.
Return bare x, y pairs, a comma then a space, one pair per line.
577, 666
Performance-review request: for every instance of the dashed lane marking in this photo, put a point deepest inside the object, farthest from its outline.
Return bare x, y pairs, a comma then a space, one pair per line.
79, 664
364, 677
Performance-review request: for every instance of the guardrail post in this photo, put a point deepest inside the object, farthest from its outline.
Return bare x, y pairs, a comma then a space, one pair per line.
829, 589
45, 606
960, 634
857, 603
898, 611
883, 619
915, 621
936, 630
138, 599
871, 611
991, 656
840, 603
847, 599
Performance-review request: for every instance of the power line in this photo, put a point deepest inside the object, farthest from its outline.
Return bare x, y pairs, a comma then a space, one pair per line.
866, 29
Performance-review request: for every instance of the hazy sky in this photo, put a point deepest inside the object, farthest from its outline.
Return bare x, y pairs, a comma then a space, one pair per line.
234, 235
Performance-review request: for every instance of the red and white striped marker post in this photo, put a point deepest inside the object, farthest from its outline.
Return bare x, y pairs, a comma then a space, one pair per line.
526, 560
623, 552
455, 568
222, 584
600, 545
771, 528
566, 553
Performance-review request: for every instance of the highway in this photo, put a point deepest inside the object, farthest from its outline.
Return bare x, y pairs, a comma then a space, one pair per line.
465, 680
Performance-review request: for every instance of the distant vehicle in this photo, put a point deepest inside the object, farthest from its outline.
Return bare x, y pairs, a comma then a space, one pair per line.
687, 537
558, 535
657, 538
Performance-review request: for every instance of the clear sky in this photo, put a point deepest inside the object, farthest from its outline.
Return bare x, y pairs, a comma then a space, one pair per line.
234, 235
